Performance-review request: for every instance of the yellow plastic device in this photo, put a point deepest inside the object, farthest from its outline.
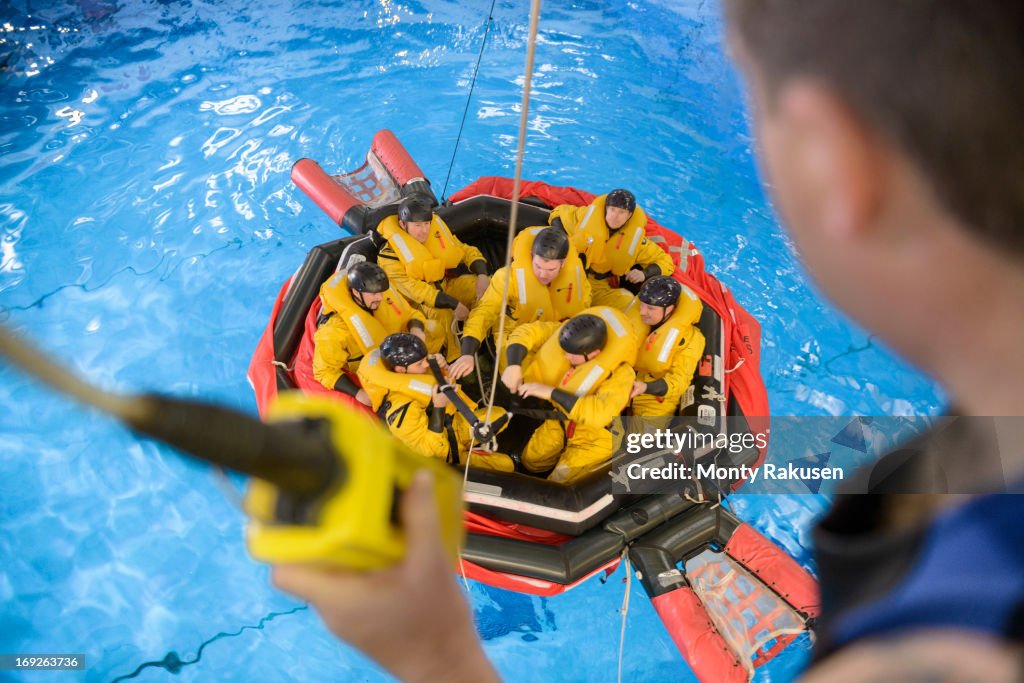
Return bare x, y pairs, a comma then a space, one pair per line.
356, 525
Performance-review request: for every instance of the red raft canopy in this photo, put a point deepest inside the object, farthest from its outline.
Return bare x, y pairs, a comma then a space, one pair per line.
729, 597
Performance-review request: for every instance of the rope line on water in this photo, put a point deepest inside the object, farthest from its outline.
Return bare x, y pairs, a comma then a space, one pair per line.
624, 610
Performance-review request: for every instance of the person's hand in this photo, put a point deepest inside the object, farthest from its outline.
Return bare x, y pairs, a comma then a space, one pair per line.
638, 388
462, 366
535, 389
441, 361
438, 399
481, 285
461, 312
363, 397
418, 332
412, 618
512, 377
635, 276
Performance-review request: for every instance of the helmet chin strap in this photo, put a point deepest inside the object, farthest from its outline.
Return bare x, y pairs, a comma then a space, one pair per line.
588, 356
361, 302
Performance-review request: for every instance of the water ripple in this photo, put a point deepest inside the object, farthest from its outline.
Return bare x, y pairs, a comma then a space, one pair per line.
147, 221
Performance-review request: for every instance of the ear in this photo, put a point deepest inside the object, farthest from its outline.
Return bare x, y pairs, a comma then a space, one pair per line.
834, 157
400, 369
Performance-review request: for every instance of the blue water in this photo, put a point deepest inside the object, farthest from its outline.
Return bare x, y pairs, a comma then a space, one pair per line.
148, 222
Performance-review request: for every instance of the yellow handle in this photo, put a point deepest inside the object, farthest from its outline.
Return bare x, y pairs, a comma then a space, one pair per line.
356, 525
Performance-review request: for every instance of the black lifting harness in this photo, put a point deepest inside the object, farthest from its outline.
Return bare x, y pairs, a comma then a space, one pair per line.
482, 431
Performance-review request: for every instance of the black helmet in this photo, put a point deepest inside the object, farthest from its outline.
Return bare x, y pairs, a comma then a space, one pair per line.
623, 199
551, 243
582, 334
415, 209
367, 277
661, 291
401, 350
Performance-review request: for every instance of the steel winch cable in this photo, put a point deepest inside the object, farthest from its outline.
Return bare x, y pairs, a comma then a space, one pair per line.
469, 97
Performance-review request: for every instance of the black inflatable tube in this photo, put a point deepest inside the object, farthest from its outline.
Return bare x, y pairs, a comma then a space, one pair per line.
485, 214
656, 554
562, 564
646, 514
573, 560
421, 187
502, 487
305, 286
670, 528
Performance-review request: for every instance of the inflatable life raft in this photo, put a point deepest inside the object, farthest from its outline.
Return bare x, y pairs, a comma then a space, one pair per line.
729, 597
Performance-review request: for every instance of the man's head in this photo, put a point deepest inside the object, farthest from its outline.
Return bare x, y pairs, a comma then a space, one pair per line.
549, 251
658, 297
889, 135
619, 205
404, 353
367, 282
582, 338
414, 215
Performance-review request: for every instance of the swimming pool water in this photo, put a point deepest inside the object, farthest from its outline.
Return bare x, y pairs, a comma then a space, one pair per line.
148, 222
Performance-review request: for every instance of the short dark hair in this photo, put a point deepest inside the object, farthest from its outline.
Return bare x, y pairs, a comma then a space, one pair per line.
941, 79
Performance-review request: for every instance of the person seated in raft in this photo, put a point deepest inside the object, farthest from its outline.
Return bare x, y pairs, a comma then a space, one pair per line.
609, 235
428, 264
582, 366
548, 283
405, 394
360, 308
672, 346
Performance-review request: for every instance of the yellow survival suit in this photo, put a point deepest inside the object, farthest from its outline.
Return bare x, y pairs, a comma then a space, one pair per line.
426, 273
350, 331
594, 394
668, 357
404, 402
610, 254
528, 300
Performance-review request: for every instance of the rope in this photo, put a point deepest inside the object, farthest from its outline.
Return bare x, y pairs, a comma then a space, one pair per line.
516, 183
227, 487
624, 610
513, 216
711, 395
736, 367
472, 84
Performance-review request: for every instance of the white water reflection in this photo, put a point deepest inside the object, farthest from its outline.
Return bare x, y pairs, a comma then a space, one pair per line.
243, 104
